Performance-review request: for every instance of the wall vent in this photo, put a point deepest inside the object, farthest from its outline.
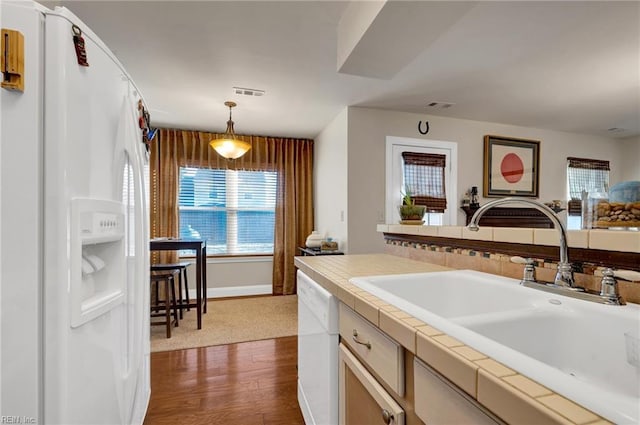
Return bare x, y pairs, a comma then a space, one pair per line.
440, 105
243, 91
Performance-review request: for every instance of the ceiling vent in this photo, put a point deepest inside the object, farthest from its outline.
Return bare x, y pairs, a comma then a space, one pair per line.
243, 91
440, 105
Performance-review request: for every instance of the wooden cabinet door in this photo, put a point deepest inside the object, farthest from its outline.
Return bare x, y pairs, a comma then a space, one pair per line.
439, 402
379, 352
363, 401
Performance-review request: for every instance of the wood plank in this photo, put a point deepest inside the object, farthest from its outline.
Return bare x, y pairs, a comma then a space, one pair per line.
245, 383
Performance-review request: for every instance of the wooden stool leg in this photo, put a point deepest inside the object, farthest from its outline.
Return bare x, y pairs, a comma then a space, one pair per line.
186, 288
157, 297
179, 302
174, 301
167, 306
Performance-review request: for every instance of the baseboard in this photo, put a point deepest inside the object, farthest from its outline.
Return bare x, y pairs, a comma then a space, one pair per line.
235, 291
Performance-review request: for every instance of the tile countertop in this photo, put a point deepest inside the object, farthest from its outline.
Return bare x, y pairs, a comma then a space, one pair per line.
513, 397
607, 240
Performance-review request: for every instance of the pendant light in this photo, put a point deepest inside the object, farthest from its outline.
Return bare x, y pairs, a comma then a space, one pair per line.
228, 145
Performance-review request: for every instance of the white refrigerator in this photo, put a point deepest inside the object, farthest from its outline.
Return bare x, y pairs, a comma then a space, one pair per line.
74, 258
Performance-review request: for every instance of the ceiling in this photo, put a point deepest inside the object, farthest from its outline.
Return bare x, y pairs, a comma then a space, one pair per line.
563, 65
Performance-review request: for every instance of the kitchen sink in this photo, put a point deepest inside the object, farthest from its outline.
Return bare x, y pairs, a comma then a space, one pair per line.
563, 337
451, 294
585, 351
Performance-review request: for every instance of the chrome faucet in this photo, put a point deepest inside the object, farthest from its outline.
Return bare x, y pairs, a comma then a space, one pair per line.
564, 283
609, 287
564, 275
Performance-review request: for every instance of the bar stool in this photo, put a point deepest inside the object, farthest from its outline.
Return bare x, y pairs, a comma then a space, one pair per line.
167, 281
181, 267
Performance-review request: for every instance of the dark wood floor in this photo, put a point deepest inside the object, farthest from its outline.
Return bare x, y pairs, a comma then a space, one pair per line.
247, 383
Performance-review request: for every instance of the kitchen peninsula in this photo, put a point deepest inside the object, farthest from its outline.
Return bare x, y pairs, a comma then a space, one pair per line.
487, 385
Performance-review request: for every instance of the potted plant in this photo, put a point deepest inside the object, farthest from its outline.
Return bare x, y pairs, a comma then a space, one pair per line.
409, 211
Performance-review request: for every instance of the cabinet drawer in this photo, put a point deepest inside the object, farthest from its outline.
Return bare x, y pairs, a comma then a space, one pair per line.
362, 399
438, 402
380, 352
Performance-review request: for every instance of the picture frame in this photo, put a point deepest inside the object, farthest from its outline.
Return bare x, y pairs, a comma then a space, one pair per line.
511, 167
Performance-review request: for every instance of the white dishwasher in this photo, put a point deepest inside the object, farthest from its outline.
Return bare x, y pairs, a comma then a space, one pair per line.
317, 353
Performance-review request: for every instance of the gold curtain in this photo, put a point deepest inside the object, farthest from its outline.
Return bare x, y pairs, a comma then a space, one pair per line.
164, 179
291, 158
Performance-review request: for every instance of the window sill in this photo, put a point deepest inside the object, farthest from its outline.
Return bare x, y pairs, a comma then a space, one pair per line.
232, 257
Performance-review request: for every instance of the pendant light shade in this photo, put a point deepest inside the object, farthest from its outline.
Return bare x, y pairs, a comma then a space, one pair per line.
228, 145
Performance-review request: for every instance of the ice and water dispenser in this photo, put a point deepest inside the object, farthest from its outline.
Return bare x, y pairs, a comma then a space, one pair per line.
98, 258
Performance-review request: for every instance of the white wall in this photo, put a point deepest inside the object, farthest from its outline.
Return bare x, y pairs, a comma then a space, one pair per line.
367, 129
234, 276
366, 174
630, 159
330, 180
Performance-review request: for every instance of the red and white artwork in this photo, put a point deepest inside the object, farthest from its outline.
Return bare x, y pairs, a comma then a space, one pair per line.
511, 168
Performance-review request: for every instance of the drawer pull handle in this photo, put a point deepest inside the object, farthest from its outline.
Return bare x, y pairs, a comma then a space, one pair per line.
387, 416
355, 339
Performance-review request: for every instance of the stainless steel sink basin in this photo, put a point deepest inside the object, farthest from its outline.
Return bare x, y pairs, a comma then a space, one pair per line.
579, 349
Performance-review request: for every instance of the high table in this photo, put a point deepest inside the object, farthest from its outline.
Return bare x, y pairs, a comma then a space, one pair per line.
200, 247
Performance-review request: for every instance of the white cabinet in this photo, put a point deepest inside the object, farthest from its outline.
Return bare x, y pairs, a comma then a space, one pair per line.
438, 402
363, 401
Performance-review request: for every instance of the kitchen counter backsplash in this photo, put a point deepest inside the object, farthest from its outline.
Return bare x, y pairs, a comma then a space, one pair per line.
587, 274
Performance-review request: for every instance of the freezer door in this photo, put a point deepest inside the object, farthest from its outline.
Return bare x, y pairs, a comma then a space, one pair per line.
21, 228
96, 357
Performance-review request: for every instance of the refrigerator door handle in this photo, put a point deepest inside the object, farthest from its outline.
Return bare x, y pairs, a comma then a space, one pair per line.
131, 188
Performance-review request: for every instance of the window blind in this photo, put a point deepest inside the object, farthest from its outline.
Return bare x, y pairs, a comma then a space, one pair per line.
585, 174
424, 179
233, 211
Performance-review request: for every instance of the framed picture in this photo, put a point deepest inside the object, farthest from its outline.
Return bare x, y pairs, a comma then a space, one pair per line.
511, 167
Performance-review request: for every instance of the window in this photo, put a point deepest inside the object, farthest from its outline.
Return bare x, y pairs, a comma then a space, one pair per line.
429, 169
424, 175
583, 175
233, 211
